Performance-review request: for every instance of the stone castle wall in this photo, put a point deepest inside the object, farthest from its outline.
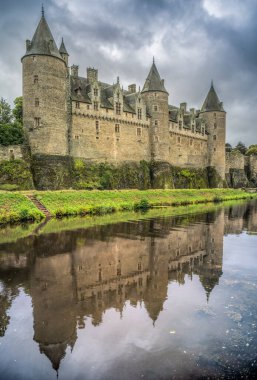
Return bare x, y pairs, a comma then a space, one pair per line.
10, 152
103, 136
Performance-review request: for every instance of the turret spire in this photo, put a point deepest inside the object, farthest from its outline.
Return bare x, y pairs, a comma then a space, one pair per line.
153, 81
212, 102
43, 11
42, 42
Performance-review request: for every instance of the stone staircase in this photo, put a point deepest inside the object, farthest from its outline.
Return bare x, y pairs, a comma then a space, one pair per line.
39, 205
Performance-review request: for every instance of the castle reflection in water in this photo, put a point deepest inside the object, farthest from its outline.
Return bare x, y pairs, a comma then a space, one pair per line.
73, 275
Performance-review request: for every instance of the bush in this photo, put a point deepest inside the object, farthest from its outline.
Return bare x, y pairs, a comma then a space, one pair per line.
142, 205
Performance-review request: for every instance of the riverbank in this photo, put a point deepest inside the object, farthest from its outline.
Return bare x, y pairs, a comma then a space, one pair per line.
16, 207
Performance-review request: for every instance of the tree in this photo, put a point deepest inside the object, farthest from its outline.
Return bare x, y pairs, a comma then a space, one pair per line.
252, 150
228, 147
241, 147
5, 112
11, 134
17, 111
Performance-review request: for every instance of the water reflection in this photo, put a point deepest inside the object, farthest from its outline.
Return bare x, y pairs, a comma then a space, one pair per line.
75, 275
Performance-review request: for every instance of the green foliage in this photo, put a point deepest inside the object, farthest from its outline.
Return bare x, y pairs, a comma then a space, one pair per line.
252, 150
228, 147
5, 112
15, 173
142, 205
18, 110
11, 134
241, 147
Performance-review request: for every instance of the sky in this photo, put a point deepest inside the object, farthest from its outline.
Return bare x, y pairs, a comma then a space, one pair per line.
193, 42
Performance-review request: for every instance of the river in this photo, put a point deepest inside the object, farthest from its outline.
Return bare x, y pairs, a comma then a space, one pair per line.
164, 297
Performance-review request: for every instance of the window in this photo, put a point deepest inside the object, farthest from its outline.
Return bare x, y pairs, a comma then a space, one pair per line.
96, 106
139, 266
77, 105
156, 123
76, 137
140, 281
214, 149
214, 114
118, 108
35, 79
37, 121
191, 142
117, 128
180, 124
36, 102
139, 131
214, 137
118, 272
88, 106
179, 140
139, 113
95, 91
215, 125
155, 108
97, 127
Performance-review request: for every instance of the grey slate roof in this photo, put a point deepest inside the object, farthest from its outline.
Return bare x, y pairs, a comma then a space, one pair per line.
62, 49
153, 81
212, 102
43, 42
80, 91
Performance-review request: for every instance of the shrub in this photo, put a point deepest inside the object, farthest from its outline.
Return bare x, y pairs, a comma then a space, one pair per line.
142, 205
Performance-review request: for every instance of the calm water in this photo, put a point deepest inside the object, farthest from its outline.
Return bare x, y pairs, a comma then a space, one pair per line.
162, 298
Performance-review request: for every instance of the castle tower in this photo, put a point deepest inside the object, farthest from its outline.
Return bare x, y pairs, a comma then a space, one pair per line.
64, 53
215, 118
45, 93
155, 96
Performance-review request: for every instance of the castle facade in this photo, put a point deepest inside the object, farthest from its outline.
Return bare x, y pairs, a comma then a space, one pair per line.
68, 115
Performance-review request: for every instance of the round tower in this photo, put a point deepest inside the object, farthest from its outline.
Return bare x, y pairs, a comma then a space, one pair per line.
45, 94
156, 98
215, 119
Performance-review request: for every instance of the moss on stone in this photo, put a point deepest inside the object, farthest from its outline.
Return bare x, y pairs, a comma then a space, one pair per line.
15, 174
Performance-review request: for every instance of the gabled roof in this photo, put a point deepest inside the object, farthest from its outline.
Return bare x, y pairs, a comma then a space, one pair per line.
43, 42
62, 49
212, 102
153, 81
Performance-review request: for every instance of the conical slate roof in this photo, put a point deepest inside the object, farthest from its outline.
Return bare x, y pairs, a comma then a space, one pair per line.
43, 42
62, 49
212, 102
153, 81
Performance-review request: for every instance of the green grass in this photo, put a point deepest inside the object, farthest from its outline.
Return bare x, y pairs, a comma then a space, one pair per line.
15, 207
95, 202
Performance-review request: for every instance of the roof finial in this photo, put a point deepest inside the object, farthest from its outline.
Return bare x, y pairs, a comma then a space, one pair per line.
118, 79
43, 11
212, 83
153, 60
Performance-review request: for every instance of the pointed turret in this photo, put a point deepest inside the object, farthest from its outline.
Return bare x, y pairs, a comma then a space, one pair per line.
63, 49
153, 81
42, 42
63, 52
212, 102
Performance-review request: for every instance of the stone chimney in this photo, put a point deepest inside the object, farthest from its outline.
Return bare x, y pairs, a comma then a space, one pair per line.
92, 75
132, 88
183, 107
74, 71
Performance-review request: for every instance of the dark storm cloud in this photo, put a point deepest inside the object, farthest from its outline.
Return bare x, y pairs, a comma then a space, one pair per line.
193, 41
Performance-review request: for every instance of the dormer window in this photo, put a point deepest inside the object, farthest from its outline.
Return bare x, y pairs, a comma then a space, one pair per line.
95, 91
77, 104
96, 106
118, 108
139, 113
117, 128
78, 91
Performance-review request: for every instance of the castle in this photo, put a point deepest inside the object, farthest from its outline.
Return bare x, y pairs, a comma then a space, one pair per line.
66, 115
